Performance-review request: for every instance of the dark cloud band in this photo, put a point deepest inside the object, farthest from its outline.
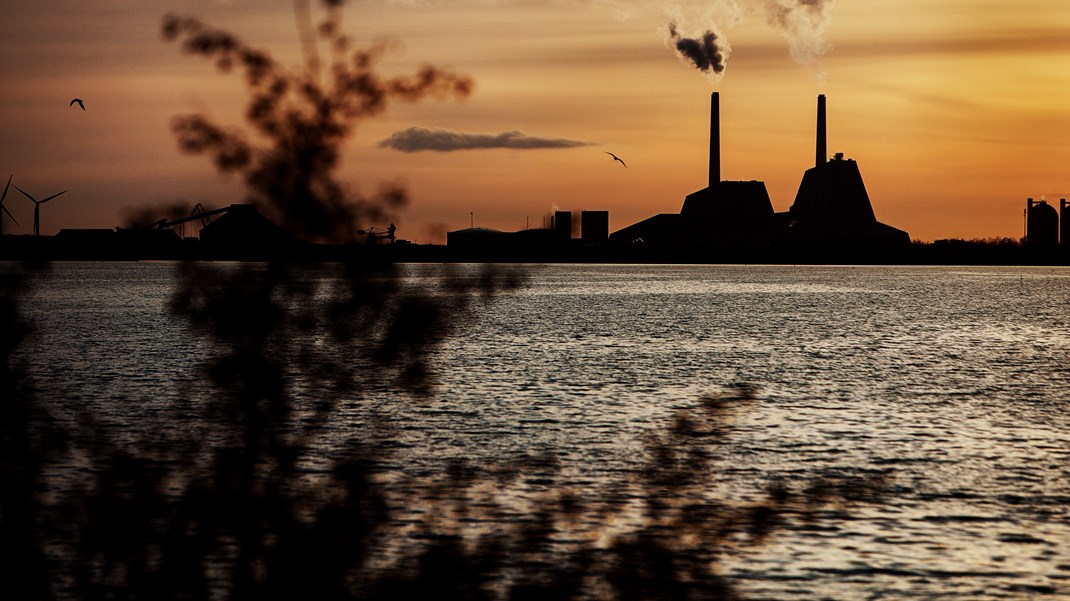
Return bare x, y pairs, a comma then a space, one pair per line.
416, 139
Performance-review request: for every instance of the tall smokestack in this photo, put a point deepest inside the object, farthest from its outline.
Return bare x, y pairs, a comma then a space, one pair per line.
1064, 225
715, 140
822, 146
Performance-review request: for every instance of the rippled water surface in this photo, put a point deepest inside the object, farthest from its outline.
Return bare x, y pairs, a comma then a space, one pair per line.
954, 382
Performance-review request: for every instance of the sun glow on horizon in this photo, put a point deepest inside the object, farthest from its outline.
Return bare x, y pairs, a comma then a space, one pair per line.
954, 115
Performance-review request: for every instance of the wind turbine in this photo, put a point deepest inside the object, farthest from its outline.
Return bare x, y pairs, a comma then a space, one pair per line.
37, 209
5, 208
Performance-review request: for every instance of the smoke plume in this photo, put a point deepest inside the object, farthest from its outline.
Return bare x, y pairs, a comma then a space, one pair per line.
708, 53
416, 139
803, 23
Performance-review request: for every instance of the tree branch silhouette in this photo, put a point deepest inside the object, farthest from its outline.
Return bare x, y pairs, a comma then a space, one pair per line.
305, 123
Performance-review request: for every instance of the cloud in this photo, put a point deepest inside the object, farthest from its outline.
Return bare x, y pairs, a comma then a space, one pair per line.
416, 139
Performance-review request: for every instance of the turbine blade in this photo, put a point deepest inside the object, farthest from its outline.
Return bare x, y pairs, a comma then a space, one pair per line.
10, 215
44, 200
6, 187
23, 192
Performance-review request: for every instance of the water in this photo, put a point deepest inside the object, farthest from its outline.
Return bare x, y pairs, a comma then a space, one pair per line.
951, 382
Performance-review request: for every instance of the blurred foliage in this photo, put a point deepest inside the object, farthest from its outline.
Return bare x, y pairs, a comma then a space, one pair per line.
303, 118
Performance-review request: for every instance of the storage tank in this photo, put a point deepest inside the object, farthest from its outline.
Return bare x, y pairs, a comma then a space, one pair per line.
1042, 225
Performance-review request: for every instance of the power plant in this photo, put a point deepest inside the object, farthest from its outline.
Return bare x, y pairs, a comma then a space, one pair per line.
831, 219
831, 213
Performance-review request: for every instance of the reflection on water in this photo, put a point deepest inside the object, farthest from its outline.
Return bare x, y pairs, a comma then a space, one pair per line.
947, 385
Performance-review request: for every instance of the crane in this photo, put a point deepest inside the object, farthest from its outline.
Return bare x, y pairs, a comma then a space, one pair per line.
197, 214
377, 233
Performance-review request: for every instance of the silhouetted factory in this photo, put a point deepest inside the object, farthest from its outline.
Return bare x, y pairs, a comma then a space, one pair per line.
832, 215
239, 232
555, 242
832, 211
831, 219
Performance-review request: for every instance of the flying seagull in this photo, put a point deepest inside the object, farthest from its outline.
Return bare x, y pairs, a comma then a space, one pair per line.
79, 101
617, 158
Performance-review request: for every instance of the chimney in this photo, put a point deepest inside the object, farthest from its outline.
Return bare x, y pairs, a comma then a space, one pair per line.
822, 148
1064, 225
715, 140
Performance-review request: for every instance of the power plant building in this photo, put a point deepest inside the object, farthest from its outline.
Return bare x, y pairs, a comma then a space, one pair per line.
594, 226
831, 216
563, 224
726, 213
721, 215
832, 210
242, 231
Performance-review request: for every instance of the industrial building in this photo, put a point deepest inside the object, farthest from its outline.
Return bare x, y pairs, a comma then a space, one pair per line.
1042, 225
1064, 226
594, 226
723, 214
562, 224
539, 244
240, 232
831, 213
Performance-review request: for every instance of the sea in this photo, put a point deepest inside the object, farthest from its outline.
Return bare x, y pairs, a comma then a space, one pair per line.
951, 385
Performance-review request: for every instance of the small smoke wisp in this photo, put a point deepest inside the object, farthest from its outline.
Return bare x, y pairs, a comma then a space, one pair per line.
417, 139
803, 23
707, 53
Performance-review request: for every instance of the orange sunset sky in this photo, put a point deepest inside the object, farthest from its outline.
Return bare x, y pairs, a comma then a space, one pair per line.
956, 110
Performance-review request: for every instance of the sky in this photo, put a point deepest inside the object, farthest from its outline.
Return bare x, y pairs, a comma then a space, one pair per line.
955, 110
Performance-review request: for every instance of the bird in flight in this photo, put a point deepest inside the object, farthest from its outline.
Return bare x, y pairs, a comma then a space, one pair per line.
617, 158
78, 101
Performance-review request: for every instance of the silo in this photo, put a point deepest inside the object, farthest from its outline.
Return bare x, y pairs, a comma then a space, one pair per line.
1042, 225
